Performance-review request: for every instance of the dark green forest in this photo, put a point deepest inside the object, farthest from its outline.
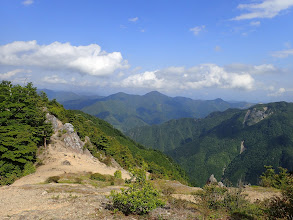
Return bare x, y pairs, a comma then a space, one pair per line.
126, 111
212, 145
23, 129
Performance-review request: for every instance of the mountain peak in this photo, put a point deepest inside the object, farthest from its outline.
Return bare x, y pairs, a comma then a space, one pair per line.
219, 100
154, 93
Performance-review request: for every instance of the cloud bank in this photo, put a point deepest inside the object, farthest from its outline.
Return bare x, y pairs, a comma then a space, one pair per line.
197, 77
88, 59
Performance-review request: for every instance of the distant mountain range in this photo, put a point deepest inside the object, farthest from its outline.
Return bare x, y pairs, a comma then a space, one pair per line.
233, 145
126, 111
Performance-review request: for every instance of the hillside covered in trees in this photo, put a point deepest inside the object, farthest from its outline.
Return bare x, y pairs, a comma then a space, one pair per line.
23, 129
233, 145
126, 111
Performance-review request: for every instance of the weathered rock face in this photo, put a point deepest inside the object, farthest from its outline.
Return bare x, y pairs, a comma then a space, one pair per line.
68, 127
256, 115
53, 120
71, 139
242, 147
212, 180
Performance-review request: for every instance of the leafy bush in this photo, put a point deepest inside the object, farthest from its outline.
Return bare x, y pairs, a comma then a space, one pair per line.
277, 180
282, 207
118, 174
168, 190
140, 198
29, 168
78, 180
98, 176
227, 200
53, 179
212, 196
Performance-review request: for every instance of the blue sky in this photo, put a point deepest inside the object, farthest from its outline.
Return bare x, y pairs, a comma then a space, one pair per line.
235, 50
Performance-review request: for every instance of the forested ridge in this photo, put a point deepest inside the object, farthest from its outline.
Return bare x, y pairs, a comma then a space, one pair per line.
23, 129
126, 111
213, 145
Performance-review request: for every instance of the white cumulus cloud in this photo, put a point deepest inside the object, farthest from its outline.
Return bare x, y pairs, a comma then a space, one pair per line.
197, 77
62, 56
147, 79
197, 30
265, 9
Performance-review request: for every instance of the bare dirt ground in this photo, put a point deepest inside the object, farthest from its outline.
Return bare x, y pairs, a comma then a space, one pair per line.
56, 159
260, 193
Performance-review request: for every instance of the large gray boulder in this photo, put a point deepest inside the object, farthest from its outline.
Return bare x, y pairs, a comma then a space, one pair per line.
53, 120
71, 139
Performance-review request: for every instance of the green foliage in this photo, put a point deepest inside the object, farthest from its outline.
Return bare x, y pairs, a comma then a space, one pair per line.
53, 179
140, 198
98, 176
23, 128
212, 196
29, 168
118, 174
227, 200
277, 180
282, 207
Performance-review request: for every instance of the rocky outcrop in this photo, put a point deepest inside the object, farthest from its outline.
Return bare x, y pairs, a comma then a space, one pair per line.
53, 120
256, 115
212, 180
71, 139
242, 148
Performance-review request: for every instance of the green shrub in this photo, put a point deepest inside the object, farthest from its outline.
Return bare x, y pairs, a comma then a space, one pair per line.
8, 180
212, 196
98, 176
53, 179
28, 169
118, 174
282, 207
107, 160
168, 190
227, 200
140, 198
78, 180
272, 179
